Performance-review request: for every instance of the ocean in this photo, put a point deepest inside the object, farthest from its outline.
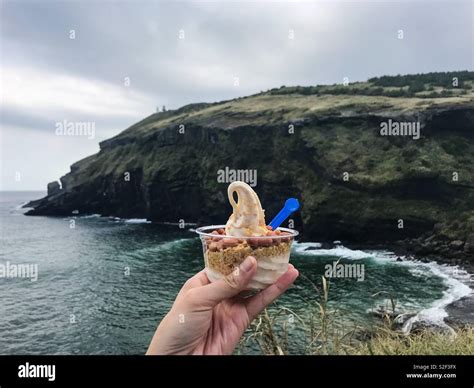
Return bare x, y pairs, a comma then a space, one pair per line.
103, 284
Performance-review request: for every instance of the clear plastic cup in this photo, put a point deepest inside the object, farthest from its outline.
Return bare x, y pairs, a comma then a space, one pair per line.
223, 254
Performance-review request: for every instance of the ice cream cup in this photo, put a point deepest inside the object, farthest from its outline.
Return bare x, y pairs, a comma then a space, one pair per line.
223, 254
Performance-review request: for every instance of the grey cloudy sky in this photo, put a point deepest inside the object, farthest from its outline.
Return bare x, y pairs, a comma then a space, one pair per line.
46, 77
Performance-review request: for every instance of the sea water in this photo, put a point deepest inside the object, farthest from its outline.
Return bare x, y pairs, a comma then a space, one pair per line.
103, 284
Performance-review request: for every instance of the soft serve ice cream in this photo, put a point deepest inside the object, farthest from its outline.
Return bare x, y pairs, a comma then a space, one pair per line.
245, 234
248, 217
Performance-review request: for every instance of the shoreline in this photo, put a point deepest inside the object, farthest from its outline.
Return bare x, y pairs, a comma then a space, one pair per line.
459, 312
464, 261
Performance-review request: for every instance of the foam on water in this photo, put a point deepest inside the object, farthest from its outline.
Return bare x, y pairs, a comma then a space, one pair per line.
338, 251
20, 206
175, 243
137, 221
177, 223
453, 277
91, 216
161, 247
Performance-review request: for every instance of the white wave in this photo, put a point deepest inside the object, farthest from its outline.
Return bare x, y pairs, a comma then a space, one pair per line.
175, 243
419, 272
297, 246
137, 221
164, 246
454, 279
91, 216
119, 219
20, 206
338, 251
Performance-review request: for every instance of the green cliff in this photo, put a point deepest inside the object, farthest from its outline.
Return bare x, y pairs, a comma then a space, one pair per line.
321, 144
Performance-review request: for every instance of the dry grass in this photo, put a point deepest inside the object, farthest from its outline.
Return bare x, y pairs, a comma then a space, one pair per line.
387, 342
324, 333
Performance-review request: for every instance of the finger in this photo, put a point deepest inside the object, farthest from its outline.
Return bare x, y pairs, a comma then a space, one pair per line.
198, 280
212, 294
256, 304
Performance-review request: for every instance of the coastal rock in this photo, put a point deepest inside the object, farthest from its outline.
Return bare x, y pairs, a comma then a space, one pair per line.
456, 244
461, 311
432, 237
53, 188
469, 245
397, 318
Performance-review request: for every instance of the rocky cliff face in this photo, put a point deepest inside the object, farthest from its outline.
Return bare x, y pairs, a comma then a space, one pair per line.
327, 150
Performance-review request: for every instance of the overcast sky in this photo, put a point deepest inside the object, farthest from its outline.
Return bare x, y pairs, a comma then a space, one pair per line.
47, 77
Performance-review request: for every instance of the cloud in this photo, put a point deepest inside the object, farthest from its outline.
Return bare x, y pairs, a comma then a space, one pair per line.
30, 158
51, 94
48, 77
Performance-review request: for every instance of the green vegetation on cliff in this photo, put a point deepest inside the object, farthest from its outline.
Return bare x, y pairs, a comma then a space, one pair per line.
326, 148
430, 85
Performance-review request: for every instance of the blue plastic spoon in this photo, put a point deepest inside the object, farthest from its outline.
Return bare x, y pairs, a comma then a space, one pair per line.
291, 205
